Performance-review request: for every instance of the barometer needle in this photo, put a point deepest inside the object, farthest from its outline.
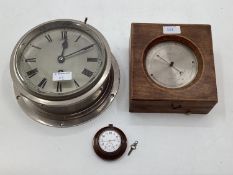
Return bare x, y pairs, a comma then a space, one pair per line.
83, 49
177, 69
171, 64
163, 59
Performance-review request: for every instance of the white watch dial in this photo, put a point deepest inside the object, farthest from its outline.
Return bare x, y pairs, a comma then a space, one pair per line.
171, 64
60, 50
109, 141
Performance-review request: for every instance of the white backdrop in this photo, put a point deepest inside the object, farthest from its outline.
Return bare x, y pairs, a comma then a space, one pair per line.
168, 143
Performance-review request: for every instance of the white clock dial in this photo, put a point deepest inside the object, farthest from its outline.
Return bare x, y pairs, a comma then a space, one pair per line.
109, 141
64, 50
171, 64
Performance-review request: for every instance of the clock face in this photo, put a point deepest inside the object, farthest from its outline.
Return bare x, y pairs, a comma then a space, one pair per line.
109, 141
171, 64
61, 61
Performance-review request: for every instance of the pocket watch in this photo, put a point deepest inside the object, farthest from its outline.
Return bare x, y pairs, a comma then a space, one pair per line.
109, 142
64, 73
172, 68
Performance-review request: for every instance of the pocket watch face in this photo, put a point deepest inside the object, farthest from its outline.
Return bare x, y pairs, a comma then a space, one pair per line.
60, 60
109, 141
171, 64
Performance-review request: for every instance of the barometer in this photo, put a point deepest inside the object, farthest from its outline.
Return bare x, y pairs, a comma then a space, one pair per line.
172, 69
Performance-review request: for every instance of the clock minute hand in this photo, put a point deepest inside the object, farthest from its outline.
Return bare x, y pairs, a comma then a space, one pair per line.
83, 49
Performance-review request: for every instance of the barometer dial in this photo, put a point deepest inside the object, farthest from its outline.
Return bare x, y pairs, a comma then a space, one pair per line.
171, 64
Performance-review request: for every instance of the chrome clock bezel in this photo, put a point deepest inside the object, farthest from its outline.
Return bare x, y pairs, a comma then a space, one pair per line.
73, 109
55, 24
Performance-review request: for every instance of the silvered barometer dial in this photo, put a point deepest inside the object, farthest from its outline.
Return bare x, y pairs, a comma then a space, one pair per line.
171, 64
64, 73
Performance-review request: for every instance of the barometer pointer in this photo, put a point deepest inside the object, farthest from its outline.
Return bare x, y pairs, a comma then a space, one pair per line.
171, 64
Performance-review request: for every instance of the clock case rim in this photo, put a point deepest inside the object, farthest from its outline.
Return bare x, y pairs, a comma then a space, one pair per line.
50, 25
77, 109
110, 155
74, 113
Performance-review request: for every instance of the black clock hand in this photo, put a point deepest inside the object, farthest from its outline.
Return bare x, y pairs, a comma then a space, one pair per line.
171, 64
64, 46
61, 58
83, 49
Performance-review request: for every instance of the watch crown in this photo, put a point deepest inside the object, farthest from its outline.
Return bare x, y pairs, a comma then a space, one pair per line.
110, 125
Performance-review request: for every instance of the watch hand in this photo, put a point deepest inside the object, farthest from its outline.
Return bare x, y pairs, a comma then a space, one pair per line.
108, 140
83, 49
171, 64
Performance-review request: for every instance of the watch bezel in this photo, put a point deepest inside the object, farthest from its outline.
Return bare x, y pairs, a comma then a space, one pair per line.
110, 155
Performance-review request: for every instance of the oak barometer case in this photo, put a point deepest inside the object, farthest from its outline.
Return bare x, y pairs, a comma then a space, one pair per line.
171, 69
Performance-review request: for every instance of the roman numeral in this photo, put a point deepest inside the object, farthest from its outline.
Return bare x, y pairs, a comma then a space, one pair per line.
48, 37
77, 38
42, 83
36, 47
87, 72
64, 34
32, 72
76, 83
30, 60
92, 59
59, 86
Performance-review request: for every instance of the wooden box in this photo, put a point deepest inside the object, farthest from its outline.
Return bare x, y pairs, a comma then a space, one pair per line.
145, 96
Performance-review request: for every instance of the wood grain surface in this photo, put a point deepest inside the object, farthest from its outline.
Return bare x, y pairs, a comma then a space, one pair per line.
146, 96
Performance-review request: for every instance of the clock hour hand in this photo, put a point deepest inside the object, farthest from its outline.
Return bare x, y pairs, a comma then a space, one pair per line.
61, 58
81, 50
64, 46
